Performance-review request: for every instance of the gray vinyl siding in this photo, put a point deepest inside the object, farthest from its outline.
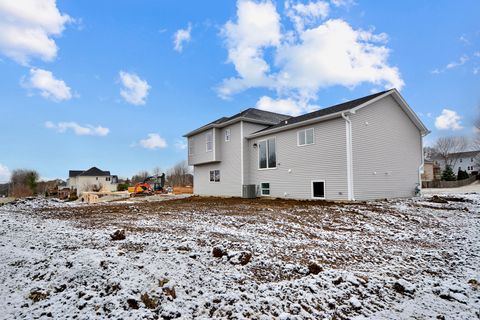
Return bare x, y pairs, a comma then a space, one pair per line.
249, 128
323, 160
386, 151
229, 166
200, 153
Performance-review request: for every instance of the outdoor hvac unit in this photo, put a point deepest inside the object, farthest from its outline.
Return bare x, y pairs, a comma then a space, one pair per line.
249, 191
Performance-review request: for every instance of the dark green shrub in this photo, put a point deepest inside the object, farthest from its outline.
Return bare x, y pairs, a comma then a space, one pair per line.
448, 174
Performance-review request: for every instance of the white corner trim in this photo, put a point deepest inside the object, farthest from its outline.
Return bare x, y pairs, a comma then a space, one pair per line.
242, 179
348, 144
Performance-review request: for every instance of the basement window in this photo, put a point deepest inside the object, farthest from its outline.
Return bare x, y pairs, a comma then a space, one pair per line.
318, 189
265, 188
214, 175
305, 137
209, 137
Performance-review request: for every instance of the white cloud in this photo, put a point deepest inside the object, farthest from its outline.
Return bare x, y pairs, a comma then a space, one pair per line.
448, 120
454, 64
463, 38
154, 141
476, 70
88, 130
288, 106
4, 174
28, 27
180, 144
343, 3
135, 90
305, 59
257, 27
305, 14
50, 88
181, 37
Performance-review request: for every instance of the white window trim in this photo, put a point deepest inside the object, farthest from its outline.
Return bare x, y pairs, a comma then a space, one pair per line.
305, 132
210, 181
269, 189
206, 141
258, 154
228, 135
324, 189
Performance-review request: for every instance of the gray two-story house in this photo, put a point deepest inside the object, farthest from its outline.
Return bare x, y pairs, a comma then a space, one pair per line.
368, 148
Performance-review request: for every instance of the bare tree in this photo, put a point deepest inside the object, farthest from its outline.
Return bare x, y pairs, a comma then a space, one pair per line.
23, 182
140, 176
157, 171
447, 147
179, 175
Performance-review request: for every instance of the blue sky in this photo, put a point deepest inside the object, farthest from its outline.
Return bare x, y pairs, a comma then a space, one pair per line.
115, 84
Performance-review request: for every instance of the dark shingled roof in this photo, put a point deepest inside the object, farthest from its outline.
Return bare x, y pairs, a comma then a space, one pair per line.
251, 113
93, 171
326, 111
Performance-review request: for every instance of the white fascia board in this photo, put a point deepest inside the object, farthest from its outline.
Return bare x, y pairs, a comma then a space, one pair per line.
297, 124
229, 122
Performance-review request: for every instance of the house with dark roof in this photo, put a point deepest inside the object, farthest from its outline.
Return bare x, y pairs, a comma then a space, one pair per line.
92, 179
468, 161
368, 148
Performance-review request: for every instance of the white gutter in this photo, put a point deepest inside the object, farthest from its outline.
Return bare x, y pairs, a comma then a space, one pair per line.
348, 130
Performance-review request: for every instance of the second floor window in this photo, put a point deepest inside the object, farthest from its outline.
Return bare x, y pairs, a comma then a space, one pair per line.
305, 137
227, 134
267, 155
209, 141
190, 146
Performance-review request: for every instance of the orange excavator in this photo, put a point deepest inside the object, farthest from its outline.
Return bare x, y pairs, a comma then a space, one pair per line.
150, 186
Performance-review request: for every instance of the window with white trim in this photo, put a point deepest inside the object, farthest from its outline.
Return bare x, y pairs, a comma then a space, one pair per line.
305, 137
318, 189
209, 137
190, 146
227, 135
214, 175
265, 188
267, 154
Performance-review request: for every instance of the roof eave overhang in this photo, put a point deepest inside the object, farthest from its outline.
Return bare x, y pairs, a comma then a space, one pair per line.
396, 95
226, 123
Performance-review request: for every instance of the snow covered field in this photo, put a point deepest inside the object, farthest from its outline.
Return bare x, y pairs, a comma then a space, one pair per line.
280, 259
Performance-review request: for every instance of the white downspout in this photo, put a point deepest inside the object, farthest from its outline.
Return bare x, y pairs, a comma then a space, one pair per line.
422, 163
242, 179
348, 128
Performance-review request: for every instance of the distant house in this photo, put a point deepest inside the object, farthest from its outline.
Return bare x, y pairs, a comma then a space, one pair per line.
92, 179
368, 148
467, 161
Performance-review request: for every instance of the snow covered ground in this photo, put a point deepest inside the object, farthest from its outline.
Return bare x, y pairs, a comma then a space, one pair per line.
276, 259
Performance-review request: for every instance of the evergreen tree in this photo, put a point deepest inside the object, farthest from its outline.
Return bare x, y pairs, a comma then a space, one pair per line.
448, 174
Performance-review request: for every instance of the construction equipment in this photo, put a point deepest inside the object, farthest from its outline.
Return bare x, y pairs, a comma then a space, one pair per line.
150, 186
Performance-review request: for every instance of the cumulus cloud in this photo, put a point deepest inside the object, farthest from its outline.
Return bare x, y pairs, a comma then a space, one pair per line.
154, 141
181, 37
4, 174
288, 106
49, 87
304, 14
135, 90
87, 130
448, 120
28, 28
305, 59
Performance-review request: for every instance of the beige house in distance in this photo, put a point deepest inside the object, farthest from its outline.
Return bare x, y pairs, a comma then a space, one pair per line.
92, 179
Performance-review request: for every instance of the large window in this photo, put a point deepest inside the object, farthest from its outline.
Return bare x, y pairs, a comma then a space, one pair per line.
214, 175
267, 155
227, 135
265, 188
318, 189
305, 137
209, 141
